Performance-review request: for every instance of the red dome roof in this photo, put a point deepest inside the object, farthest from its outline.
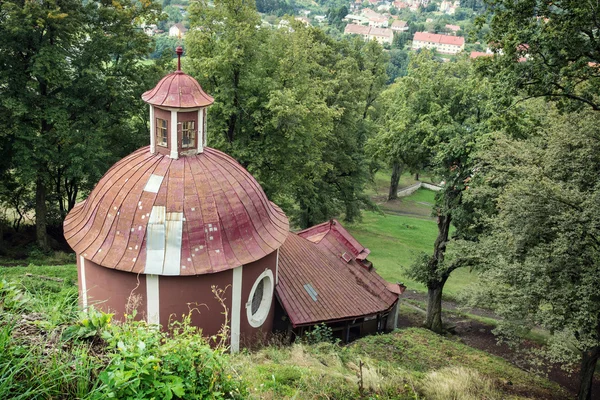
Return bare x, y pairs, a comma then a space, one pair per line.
194, 215
178, 90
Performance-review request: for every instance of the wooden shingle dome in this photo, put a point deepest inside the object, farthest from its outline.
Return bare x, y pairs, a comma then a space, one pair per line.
198, 214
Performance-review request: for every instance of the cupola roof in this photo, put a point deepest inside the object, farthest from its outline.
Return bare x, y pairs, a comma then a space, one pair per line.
189, 216
178, 90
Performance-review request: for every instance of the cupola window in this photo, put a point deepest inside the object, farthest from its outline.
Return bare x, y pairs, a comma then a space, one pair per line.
161, 132
188, 135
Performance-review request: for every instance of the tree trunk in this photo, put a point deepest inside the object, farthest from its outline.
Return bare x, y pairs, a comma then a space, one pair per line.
436, 286
396, 172
40, 214
416, 176
434, 306
589, 359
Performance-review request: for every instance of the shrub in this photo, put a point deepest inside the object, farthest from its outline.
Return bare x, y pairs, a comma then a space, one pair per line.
148, 363
90, 325
319, 333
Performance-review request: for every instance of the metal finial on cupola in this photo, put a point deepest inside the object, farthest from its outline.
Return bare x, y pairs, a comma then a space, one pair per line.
179, 51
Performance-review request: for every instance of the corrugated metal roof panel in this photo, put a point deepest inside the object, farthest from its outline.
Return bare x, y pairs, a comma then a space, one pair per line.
343, 290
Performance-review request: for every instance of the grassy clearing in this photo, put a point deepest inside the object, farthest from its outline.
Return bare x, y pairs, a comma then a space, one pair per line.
406, 364
45, 290
396, 240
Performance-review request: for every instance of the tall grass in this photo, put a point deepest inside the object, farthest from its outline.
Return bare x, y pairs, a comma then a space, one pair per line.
458, 383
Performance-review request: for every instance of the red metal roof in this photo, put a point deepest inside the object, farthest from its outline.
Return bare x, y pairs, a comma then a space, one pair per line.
339, 240
436, 38
342, 290
178, 90
477, 54
356, 29
227, 220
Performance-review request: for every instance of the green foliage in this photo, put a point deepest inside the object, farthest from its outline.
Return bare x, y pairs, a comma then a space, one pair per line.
71, 80
147, 363
542, 256
293, 106
11, 298
558, 41
318, 334
91, 324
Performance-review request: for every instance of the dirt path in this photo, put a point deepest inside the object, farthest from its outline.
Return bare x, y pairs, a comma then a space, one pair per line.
479, 335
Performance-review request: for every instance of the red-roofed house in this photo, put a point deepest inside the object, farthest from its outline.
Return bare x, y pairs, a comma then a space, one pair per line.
381, 35
442, 43
324, 277
453, 28
354, 29
399, 26
477, 54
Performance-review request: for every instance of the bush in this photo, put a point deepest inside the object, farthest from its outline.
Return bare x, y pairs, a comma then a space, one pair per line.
319, 333
148, 363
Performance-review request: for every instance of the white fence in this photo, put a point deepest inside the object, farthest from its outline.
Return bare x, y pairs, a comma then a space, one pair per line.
414, 187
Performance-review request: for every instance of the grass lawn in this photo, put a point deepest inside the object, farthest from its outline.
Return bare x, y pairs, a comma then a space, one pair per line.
396, 240
38, 286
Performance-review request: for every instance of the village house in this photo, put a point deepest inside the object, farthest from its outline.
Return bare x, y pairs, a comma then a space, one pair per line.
178, 228
381, 35
178, 30
449, 7
354, 29
452, 28
399, 26
356, 19
442, 43
477, 54
400, 5
375, 19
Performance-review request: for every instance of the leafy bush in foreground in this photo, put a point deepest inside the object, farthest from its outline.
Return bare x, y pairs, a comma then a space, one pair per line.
92, 358
148, 363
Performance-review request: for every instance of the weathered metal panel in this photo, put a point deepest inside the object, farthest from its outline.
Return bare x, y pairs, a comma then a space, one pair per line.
174, 231
153, 183
155, 243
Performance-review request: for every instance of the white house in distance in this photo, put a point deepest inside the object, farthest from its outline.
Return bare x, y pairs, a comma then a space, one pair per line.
442, 43
381, 35
356, 19
399, 26
375, 19
355, 29
178, 30
449, 7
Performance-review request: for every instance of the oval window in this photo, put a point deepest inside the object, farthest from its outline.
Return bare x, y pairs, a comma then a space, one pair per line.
259, 301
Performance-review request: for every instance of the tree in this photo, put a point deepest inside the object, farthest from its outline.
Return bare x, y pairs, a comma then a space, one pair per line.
286, 103
70, 76
436, 116
542, 257
556, 43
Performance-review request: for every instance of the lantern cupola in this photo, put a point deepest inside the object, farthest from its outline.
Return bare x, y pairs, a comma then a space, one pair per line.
177, 114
